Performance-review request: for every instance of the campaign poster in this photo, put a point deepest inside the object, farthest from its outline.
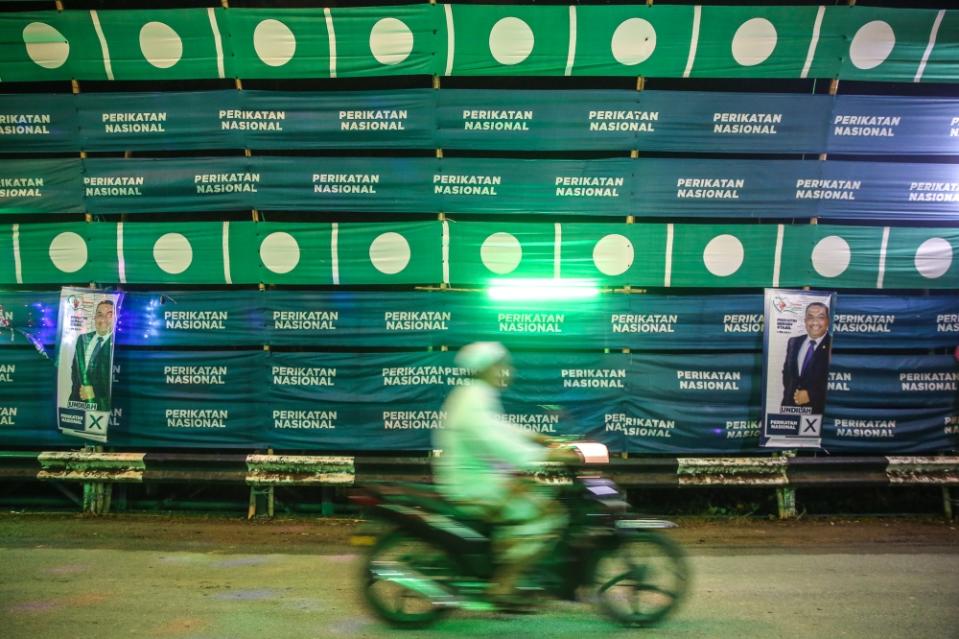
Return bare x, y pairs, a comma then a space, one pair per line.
85, 338
797, 346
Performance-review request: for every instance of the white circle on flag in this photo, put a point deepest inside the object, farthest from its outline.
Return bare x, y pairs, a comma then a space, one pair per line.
280, 252
511, 41
933, 258
501, 253
613, 254
390, 253
68, 252
46, 46
633, 41
723, 255
754, 41
391, 41
172, 253
872, 44
160, 44
831, 256
274, 43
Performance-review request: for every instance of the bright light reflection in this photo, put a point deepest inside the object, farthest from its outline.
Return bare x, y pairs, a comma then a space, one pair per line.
541, 289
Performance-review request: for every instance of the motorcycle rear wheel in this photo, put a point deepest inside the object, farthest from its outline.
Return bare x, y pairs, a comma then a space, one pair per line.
641, 580
396, 604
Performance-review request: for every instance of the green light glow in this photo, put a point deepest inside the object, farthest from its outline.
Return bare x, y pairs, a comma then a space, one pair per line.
541, 289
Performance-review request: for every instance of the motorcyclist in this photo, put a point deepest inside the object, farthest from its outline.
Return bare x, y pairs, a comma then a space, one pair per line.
483, 466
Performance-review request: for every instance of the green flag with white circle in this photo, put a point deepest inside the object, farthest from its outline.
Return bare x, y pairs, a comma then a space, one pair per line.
394, 253
751, 42
830, 256
187, 253
267, 43
385, 40
879, 43
506, 40
480, 252
294, 253
168, 44
71, 253
631, 40
614, 254
43, 46
921, 258
722, 255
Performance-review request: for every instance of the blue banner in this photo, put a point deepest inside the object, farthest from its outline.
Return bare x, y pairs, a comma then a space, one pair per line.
394, 185
176, 120
545, 120
188, 399
732, 122
39, 125
889, 430
885, 191
894, 381
28, 390
718, 323
171, 185
192, 318
677, 427
670, 403
361, 318
646, 187
887, 124
41, 186
713, 188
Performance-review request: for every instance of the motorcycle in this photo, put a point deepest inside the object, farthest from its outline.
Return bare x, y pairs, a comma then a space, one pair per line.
426, 558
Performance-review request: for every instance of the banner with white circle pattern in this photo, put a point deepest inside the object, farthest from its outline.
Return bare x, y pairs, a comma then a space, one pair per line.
471, 253
860, 43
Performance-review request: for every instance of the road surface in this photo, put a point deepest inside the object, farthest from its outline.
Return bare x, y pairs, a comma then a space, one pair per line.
64, 576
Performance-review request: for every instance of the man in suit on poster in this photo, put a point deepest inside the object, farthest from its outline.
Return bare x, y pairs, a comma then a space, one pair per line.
806, 371
90, 371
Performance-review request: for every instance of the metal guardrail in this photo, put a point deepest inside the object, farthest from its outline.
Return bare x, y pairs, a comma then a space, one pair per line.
97, 471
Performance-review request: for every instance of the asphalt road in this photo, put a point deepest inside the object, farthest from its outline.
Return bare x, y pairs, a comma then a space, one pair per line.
71, 584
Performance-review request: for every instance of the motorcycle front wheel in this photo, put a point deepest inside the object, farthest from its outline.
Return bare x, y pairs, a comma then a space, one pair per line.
402, 580
641, 580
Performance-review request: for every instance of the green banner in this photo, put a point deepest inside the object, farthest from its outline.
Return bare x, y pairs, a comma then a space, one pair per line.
888, 44
833, 256
632, 40
860, 43
617, 256
50, 45
266, 43
392, 40
919, 257
161, 44
395, 253
727, 255
507, 39
471, 253
750, 42
63, 253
